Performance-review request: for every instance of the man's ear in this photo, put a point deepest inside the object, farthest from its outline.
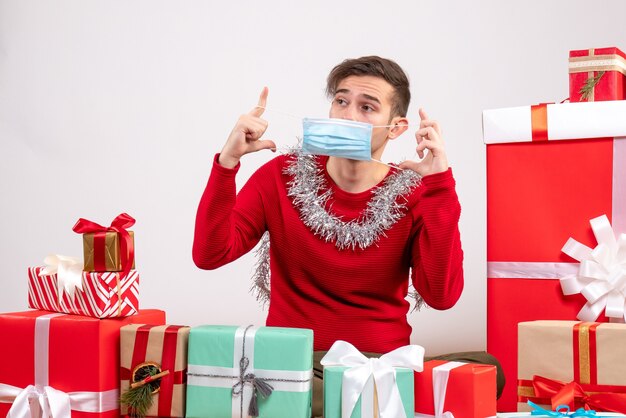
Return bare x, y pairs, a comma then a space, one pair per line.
400, 126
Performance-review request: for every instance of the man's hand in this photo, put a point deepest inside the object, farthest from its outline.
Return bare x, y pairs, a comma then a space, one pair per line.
428, 136
245, 136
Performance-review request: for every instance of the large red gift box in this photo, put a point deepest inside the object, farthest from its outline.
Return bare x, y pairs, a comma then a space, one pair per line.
49, 356
550, 169
466, 390
605, 68
103, 295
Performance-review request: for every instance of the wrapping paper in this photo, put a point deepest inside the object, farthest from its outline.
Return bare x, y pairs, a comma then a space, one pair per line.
67, 353
539, 194
102, 295
109, 252
589, 63
226, 362
165, 346
470, 391
554, 353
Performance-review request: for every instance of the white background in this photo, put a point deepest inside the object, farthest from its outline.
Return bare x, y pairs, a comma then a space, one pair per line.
119, 106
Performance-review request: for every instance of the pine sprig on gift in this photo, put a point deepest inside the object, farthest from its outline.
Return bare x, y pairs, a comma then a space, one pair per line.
586, 90
139, 399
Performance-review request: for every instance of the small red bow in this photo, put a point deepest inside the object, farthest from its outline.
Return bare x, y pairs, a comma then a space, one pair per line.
573, 395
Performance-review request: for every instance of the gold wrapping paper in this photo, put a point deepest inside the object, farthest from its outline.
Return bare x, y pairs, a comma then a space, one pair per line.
154, 354
546, 348
113, 261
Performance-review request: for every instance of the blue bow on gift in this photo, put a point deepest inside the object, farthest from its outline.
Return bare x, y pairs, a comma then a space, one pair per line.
561, 411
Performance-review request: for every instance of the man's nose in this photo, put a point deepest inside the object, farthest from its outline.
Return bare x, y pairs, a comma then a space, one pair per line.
349, 113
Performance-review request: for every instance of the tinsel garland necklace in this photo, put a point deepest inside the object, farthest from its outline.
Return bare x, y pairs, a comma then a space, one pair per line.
310, 194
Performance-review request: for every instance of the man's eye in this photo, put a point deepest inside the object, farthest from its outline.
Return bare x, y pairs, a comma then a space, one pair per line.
367, 108
340, 101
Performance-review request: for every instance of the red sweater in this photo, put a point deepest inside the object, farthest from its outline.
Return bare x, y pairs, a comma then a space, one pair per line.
354, 295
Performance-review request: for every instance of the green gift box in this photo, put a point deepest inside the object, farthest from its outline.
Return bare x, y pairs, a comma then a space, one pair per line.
231, 368
359, 387
333, 376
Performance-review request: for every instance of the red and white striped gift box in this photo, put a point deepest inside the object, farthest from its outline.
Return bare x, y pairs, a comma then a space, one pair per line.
103, 294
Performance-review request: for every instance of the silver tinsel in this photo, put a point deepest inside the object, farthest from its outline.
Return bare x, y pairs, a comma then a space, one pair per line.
261, 277
310, 195
382, 211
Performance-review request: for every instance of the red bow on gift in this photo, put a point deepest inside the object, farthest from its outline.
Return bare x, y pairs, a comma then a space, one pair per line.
119, 225
573, 395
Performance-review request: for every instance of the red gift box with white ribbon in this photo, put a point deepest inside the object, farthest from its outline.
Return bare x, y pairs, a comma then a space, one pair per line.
455, 389
62, 365
550, 170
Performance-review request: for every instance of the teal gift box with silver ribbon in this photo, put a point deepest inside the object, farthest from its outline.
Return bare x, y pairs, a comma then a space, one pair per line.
237, 372
359, 387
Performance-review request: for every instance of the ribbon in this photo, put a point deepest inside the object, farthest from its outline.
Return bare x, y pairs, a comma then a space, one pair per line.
529, 270
573, 395
441, 375
539, 122
561, 411
43, 401
119, 225
69, 271
601, 277
245, 381
364, 372
605, 62
259, 386
178, 377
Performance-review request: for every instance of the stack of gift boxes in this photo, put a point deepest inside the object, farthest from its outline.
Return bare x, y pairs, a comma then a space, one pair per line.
87, 350
63, 358
556, 242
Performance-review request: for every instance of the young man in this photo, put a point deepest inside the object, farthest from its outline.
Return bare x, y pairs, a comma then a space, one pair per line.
345, 235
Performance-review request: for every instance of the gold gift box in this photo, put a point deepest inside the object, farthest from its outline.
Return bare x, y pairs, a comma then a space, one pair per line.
112, 251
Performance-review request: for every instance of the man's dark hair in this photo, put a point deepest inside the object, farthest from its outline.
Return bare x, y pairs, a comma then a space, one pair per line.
375, 66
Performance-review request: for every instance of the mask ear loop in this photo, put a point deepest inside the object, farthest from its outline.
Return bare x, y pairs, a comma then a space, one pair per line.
391, 126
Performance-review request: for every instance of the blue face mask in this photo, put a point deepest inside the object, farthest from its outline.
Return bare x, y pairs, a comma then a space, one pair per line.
337, 137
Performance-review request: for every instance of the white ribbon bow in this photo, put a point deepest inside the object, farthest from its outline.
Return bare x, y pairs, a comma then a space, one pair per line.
69, 271
381, 370
601, 277
45, 402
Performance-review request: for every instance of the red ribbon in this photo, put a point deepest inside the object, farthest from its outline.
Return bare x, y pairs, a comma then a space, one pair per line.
539, 122
119, 225
178, 377
573, 395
